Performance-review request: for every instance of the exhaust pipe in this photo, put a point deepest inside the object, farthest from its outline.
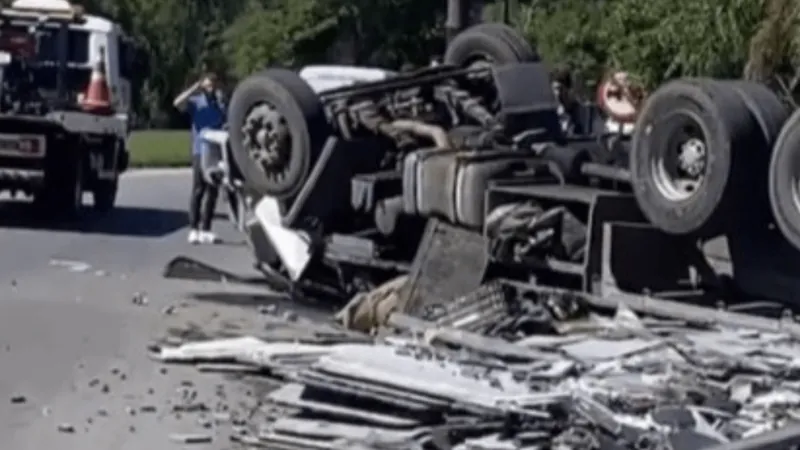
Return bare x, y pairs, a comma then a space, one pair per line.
432, 132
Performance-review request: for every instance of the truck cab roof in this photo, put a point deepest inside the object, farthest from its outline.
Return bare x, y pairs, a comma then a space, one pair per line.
62, 9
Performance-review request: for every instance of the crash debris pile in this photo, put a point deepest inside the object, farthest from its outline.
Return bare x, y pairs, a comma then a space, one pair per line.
555, 376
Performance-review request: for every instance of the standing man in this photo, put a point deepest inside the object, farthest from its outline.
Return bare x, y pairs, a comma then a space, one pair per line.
203, 102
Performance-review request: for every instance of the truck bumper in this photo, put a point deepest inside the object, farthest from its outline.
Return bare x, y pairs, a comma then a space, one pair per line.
11, 178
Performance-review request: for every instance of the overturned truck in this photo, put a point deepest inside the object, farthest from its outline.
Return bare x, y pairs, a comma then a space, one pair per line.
356, 166
479, 207
342, 189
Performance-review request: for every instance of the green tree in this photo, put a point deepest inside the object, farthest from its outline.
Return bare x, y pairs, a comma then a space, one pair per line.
298, 32
663, 40
655, 41
774, 53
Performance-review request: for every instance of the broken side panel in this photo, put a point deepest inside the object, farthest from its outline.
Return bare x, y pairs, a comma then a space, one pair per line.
450, 263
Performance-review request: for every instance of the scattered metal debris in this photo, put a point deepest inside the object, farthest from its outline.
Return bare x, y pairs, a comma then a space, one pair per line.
66, 428
191, 438
140, 299
540, 374
72, 266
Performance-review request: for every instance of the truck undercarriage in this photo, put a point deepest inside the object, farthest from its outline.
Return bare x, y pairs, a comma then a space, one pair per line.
349, 177
461, 208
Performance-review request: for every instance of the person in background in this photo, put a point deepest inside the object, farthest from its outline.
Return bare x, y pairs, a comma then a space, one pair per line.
561, 79
203, 102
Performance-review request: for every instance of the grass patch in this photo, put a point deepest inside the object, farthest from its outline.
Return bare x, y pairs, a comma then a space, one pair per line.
160, 148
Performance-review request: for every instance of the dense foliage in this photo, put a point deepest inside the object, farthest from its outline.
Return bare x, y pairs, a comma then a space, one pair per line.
654, 40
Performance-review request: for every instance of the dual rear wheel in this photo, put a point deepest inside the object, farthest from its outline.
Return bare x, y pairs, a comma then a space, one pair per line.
701, 151
784, 180
66, 182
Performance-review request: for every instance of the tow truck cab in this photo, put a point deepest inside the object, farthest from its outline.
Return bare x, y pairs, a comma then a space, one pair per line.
89, 40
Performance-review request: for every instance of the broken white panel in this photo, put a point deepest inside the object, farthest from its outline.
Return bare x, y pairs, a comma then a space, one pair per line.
604, 349
292, 247
72, 266
323, 78
244, 350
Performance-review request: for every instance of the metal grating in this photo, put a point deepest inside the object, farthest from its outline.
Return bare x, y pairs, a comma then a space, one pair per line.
450, 263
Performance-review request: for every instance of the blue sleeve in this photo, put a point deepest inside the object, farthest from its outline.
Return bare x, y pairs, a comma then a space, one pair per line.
223, 112
222, 103
191, 106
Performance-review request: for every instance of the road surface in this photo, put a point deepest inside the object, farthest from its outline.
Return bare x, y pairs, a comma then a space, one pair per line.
80, 303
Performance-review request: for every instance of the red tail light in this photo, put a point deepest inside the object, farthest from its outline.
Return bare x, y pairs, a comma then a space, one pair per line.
29, 146
17, 43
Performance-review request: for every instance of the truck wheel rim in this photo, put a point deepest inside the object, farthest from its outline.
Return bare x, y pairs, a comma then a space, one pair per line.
480, 61
795, 180
267, 140
680, 164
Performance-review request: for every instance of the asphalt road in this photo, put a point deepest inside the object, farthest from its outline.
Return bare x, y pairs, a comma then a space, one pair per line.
72, 339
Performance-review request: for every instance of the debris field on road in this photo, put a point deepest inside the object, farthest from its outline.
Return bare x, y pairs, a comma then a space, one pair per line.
541, 374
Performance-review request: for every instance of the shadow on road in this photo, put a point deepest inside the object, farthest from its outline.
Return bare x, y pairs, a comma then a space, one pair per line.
122, 221
304, 306
239, 299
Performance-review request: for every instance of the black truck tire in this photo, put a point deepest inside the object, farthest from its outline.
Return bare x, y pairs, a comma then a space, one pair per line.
62, 194
784, 180
690, 115
525, 52
771, 114
104, 191
495, 43
104, 195
302, 115
765, 106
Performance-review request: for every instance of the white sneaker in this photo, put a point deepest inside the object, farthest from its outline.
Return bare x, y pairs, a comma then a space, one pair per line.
194, 237
208, 237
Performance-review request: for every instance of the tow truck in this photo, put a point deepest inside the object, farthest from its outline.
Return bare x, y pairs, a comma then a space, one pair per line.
55, 143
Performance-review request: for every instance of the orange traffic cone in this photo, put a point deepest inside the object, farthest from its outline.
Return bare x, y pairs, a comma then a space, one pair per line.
97, 98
